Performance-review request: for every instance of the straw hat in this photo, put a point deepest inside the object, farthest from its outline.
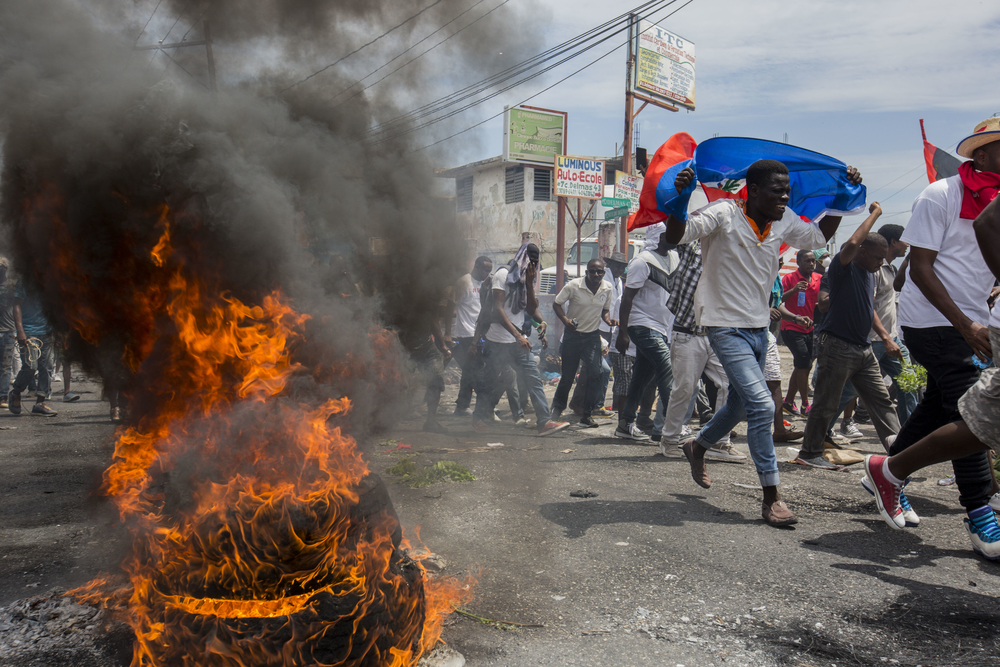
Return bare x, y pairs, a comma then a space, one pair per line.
985, 133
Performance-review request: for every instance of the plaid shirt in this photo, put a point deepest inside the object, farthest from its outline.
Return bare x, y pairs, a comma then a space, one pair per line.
681, 300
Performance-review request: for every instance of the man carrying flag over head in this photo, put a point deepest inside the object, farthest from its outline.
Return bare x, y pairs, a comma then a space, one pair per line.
740, 245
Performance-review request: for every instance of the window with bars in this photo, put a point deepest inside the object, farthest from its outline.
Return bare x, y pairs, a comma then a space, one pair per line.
514, 184
463, 193
543, 185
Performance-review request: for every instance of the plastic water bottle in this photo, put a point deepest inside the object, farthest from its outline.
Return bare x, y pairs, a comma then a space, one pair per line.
802, 299
980, 364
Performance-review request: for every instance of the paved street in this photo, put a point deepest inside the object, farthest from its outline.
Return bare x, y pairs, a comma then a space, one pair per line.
654, 570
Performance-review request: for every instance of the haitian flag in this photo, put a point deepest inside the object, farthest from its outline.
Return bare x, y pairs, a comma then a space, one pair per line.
819, 182
939, 164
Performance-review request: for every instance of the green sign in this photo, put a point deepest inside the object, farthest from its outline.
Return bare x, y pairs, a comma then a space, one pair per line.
616, 212
533, 136
617, 202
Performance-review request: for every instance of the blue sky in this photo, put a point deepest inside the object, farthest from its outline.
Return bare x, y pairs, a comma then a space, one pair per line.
846, 78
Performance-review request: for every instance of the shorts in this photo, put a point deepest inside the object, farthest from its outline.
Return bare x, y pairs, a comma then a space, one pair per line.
980, 406
801, 346
621, 366
772, 362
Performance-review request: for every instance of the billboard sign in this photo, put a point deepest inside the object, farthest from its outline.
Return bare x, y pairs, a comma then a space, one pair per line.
533, 136
664, 65
580, 177
628, 187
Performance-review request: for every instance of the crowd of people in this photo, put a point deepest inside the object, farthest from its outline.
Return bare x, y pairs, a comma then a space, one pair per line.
690, 325
28, 349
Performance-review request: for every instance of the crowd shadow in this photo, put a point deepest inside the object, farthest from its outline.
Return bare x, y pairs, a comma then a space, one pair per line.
578, 517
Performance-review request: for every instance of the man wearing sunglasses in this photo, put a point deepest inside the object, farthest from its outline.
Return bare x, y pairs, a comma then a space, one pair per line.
582, 304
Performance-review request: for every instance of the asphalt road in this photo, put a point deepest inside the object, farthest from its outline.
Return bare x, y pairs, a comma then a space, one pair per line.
654, 570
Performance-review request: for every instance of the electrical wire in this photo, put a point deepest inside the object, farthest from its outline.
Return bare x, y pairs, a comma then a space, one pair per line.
146, 24
374, 83
527, 99
363, 46
475, 89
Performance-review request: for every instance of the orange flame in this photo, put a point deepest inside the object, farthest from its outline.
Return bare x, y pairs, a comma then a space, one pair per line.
258, 538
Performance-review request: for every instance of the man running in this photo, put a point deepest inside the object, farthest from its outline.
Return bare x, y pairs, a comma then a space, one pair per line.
740, 246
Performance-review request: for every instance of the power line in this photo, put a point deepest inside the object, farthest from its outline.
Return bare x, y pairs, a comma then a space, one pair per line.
518, 83
363, 46
374, 83
475, 89
147, 21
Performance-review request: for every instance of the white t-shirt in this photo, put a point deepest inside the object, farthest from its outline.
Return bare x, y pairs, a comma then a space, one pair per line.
649, 307
935, 225
497, 332
616, 306
739, 270
995, 318
616, 292
467, 306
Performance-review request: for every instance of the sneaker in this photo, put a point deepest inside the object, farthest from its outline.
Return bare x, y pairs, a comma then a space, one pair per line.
461, 412
644, 424
685, 431
602, 412
116, 415
70, 396
790, 408
3, 403
886, 493
630, 431
14, 402
479, 426
552, 427
995, 502
496, 416
663, 448
850, 430
521, 422
910, 517
984, 532
655, 437
861, 416
588, 422
817, 462
724, 452
806, 407
43, 410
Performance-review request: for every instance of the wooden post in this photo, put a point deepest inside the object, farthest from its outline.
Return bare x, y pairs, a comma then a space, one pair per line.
579, 226
629, 118
211, 58
560, 241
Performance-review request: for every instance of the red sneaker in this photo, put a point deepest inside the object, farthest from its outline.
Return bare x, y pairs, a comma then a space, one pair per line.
552, 427
886, 493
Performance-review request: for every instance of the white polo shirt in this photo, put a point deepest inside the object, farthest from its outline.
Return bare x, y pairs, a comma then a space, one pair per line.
583, 305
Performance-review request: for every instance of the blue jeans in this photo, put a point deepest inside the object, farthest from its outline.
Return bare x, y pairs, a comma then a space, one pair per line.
742, 353
500, 357
652, 361
906, 401
27, 373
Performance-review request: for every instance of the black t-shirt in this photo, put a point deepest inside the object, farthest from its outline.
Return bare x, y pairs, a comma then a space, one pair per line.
852, 302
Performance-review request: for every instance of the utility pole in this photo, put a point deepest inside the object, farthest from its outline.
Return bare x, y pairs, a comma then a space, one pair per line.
630, 98
206, 42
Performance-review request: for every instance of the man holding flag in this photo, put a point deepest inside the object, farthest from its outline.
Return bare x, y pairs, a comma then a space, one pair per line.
741, 241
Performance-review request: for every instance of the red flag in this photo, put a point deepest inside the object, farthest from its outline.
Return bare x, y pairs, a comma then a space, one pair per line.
676, 149
939, 163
